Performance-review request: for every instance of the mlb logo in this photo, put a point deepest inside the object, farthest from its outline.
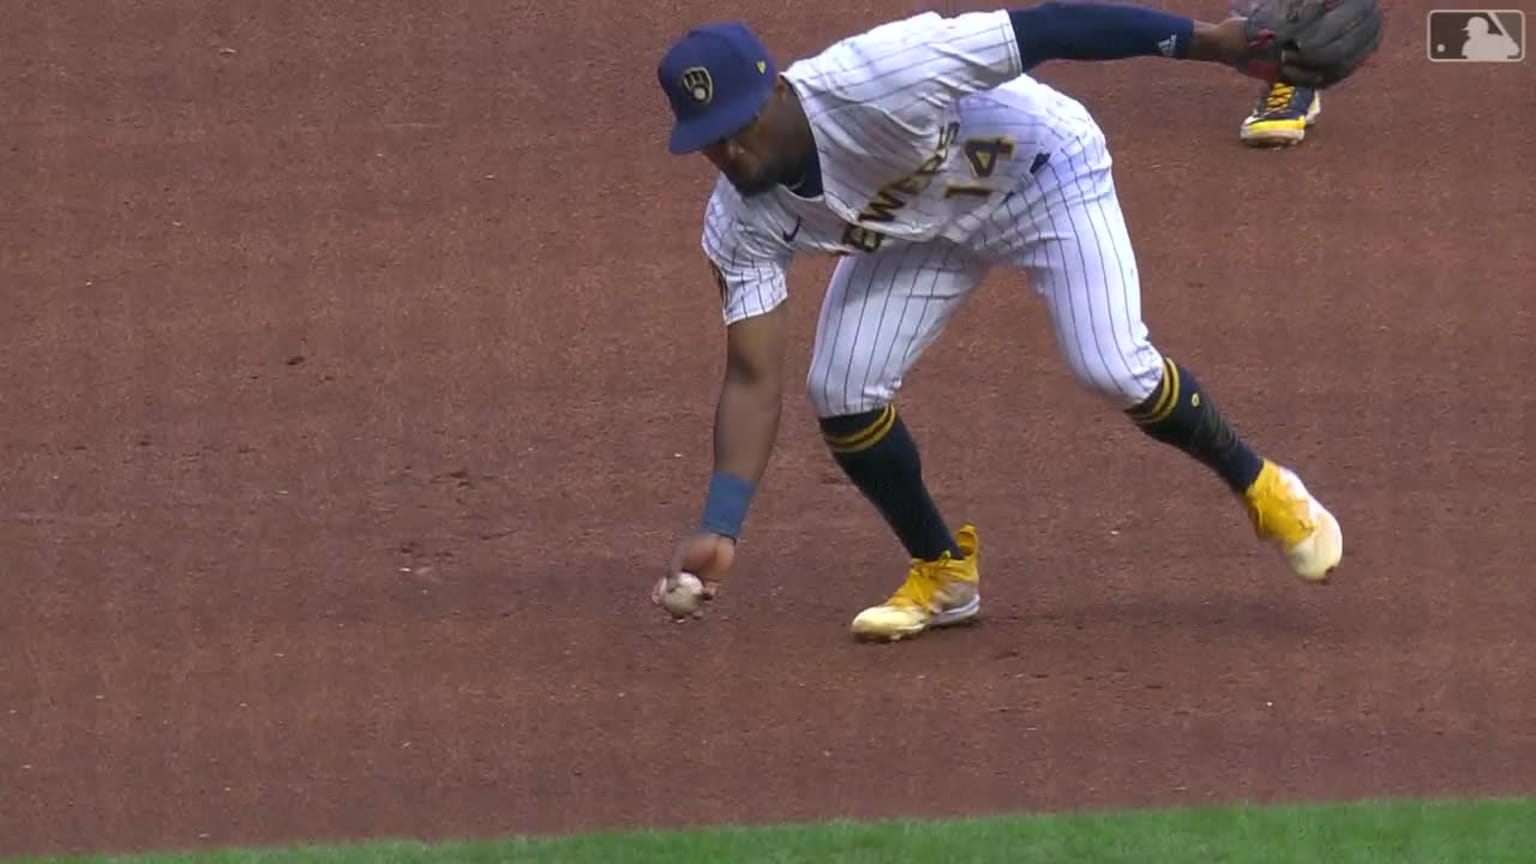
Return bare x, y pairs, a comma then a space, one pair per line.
1476, 35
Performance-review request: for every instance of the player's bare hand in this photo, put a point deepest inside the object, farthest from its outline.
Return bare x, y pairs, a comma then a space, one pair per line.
707, 556
1226, 43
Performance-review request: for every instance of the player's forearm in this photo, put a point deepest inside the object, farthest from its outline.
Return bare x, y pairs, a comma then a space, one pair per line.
746, 426
1102, 31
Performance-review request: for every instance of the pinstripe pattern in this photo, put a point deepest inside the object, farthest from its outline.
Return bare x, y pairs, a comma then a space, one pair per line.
1086, 272
1063, 226
880, 101
752, 262
1048, 209
881, 312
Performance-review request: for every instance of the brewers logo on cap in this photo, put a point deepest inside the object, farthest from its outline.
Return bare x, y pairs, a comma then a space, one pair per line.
699, 86
717, 78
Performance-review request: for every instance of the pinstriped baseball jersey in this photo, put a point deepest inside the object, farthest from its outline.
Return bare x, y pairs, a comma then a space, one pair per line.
899, 159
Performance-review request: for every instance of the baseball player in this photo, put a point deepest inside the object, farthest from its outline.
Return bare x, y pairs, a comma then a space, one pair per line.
923, 154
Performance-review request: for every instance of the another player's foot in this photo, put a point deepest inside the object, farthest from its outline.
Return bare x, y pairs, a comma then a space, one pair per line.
936, 594
1281, 117
1284, 512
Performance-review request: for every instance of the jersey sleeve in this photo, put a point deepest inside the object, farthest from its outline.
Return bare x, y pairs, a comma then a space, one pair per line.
926, 57
750, 267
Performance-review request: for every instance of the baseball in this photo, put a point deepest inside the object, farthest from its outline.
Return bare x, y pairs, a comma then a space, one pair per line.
683, 597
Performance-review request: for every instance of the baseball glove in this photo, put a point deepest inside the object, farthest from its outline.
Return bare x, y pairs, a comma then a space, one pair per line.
1309, 43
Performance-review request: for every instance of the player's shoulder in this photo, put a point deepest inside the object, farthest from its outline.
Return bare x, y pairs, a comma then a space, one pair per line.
923, 29
899, 30
921, 52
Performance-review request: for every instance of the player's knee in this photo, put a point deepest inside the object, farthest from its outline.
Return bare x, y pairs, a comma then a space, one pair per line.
821, 399
1124, 378
829, 397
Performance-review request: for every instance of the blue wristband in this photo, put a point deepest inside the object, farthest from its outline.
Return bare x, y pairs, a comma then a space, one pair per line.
726, 507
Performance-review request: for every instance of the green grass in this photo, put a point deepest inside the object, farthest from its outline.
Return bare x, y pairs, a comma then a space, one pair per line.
1463, 832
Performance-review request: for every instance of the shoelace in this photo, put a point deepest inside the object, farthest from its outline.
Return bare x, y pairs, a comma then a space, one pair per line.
1279, 98
919, 589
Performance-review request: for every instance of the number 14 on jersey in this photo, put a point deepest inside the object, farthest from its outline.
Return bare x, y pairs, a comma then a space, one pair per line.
983, 155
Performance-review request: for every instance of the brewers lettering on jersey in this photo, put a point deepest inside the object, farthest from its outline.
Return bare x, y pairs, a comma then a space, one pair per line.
923, 155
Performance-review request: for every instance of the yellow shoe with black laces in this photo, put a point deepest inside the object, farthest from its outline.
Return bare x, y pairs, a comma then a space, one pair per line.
936, 594
1281, 117
1284, 512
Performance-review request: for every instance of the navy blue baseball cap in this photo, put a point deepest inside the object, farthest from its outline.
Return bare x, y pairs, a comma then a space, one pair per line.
717, 78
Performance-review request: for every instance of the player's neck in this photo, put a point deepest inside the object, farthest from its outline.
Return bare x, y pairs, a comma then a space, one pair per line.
804, 177
804, 180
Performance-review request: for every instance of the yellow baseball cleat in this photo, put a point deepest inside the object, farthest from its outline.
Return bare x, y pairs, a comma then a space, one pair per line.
1284, 512
1281, 117
936, 594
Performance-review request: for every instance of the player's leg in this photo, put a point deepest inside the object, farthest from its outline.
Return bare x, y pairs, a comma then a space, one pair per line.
881, 312
1079, 257
1282, 113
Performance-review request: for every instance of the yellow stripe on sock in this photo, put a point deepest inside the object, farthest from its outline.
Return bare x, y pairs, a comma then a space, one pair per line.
1168, 398
867, 437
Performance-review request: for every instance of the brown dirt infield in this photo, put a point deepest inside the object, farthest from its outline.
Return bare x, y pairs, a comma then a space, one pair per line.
358, 363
